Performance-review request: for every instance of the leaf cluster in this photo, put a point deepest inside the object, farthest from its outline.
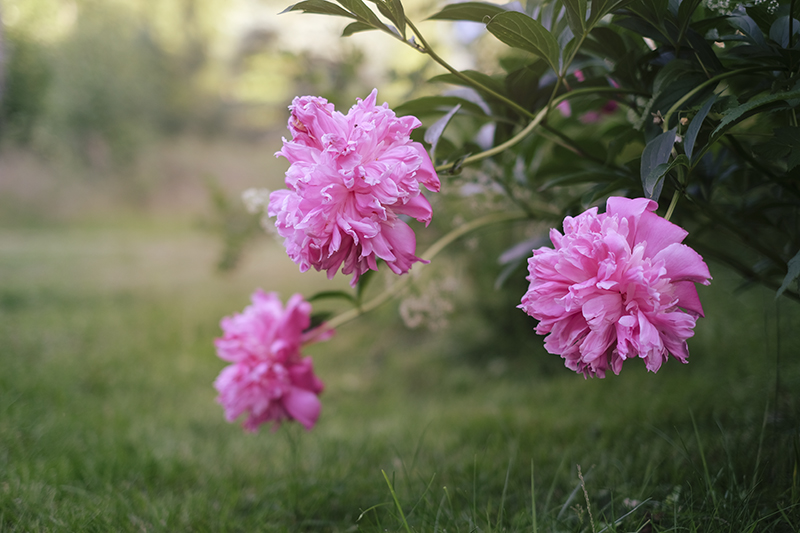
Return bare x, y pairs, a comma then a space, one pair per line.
666, 99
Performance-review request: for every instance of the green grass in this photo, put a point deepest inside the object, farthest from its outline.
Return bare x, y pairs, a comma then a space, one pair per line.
108, 420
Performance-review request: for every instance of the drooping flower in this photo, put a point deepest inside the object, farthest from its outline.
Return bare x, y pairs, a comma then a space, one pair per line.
616, 286
350, 180
269, 379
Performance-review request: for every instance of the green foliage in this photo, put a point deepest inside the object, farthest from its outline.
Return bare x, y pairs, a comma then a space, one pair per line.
101, 87
707, 124
28, 74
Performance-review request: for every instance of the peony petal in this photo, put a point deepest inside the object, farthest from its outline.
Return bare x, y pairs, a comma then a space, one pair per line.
686, 292
684, 264
303, 406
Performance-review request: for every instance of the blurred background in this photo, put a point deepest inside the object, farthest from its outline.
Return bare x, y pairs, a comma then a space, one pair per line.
141, 105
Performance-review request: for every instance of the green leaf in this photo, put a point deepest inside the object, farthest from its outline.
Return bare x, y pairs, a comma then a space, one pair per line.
437, 129
694, 127
779, 31
430, 105
602, 189
653, 165
333, 295
576, 15
319, 7
521, 31
655, 180
733, 115
317, 319
784, 143
474, 11
601, 8
393, 10
595, 175
356, 27
685, 11
364, 14
791, 275
749, 28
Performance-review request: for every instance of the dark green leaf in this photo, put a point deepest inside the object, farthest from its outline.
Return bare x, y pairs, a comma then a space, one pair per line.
779, 31
791, 275
748, 26
603, 189
685, 11
393, 10
474, 11
576, 15
784, 143
601, 8
694, 127
319, 7
437, 129
355, 27
429, 105
640, 26
333, 295
705, 54
521, 31
364, 14
655, 154
605, 43
732, 116
317, 319
575, 178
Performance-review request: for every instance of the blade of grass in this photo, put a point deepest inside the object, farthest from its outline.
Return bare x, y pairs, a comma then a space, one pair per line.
503, 495
439, 511
709, 485
533, 503
623, 517
396, 502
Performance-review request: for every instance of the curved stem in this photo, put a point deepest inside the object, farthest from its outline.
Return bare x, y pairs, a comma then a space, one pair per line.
672, 205
426, 48
532, 125
714, 81
429, 254
500, 147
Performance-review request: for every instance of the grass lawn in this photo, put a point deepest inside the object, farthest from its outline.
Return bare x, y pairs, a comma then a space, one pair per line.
108, 420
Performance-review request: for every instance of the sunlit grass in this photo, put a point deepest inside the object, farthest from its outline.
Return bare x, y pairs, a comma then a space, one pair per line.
108, 420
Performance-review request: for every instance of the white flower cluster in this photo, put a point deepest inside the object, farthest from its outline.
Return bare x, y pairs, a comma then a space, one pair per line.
772, 5
429, 309
726, 7
256, 201
723, 7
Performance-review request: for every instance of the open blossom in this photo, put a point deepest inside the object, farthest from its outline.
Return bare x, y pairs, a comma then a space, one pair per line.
269, 379
617, 285
351, 178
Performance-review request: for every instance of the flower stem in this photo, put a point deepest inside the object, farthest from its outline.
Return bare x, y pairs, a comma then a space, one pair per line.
537, 119
702, 86
672, 205
426, 48
429, 254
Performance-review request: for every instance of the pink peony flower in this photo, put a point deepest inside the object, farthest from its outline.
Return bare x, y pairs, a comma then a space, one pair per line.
268, 379
350, 180
618, 285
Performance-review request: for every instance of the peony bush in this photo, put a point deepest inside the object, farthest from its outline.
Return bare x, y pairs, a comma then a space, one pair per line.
678, 117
